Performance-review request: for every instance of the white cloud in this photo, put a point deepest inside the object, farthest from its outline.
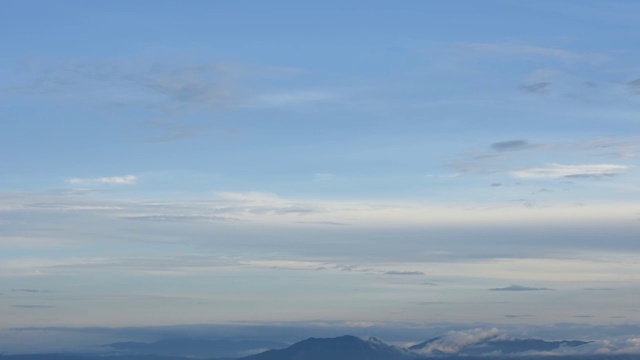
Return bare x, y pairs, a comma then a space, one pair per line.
113, 180
554, 171
249, 197
453, 341
598, 347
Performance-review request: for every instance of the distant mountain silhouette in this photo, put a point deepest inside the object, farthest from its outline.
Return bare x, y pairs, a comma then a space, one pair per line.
484, 346
200, 348
340, 348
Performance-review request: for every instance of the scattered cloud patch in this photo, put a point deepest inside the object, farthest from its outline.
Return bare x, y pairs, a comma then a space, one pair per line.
510, 145
113, 180
535, 88
129, 83
330, 223
26, 290
496, 185
554, 171
634, 86
519, 288
33, 306
177, 218
599, 289
410, 273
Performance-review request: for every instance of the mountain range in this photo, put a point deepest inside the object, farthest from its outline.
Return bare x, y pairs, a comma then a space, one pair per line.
492, 347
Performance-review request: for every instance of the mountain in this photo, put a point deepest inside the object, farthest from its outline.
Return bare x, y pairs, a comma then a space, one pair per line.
451, 346
197, 348
90, 357
339, 348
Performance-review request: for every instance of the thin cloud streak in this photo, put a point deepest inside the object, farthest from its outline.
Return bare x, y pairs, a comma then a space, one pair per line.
555, 171
519, 288
113, 180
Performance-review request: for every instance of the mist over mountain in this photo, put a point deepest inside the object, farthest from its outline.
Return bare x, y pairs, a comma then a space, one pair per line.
488, 342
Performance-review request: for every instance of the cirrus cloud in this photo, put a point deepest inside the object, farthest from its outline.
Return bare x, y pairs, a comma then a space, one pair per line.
554, 171
113, 180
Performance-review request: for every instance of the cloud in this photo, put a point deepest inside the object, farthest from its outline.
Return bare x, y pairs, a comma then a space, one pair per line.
519, 288
511, 145
453, 341
113, 180
506, 51
178, 218
634, 86
294, 98
26, 290
331, 223
621, 148
411, 273
535, 88
33, 306
598, 289
554, 171
131, 83
597, 347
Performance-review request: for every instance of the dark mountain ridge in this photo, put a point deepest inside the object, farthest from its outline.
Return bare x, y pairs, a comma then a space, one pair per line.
344, 347
199, 348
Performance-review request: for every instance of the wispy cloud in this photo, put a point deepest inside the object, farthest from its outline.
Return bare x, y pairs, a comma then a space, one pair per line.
113, 180
634, 86
294, 98
330, 223
528, 51
410, 273
33, 306
535, 88
178, 218
454, 341
511, 145
599, 289
518, 288
554, 171
146, 84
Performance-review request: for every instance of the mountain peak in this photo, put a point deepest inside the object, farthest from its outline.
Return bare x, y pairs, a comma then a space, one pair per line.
343, 347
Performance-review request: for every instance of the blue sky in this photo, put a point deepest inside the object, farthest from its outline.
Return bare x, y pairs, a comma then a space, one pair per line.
220, 161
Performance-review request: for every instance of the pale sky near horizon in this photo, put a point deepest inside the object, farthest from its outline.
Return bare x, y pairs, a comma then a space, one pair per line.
168, 162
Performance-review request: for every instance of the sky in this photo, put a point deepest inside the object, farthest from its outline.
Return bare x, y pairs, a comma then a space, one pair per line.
367, 162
